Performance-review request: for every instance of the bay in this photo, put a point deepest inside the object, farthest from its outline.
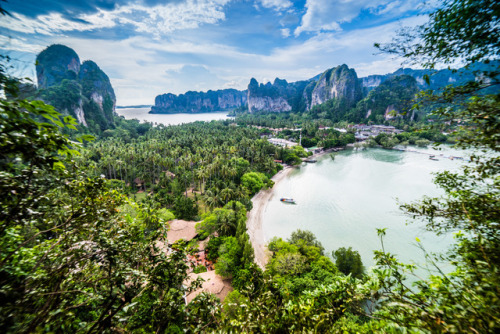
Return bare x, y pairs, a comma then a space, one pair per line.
142, 115
343, 201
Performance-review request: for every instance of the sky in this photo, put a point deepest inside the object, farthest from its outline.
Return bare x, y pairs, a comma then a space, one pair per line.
152, 47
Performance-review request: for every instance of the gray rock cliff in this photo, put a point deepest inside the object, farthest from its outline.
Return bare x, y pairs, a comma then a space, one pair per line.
56, 63
279, 96
337, 83
83, 91
199, 102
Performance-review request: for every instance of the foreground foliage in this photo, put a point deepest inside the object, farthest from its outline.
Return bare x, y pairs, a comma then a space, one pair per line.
467, 299
77, 255
71, 257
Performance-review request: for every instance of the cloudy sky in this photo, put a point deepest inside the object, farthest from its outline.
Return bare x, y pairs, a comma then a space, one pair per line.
150, 47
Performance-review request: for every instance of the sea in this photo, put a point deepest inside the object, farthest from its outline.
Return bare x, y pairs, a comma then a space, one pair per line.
142, 114
343, 199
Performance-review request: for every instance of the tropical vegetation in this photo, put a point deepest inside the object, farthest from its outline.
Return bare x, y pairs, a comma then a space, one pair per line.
79, 254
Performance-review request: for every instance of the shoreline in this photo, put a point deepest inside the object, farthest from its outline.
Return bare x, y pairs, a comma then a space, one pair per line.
254, 217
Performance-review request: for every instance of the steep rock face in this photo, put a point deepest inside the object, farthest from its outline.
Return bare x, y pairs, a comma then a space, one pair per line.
80, 114
196, 102
56, 63
337, 83
437, 78
83, 91
267, 97
280, 96
277, 104
97, 88
372, 81
95, 83
391, 99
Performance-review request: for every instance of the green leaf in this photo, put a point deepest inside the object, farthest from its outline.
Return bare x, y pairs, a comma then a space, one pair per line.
58, 165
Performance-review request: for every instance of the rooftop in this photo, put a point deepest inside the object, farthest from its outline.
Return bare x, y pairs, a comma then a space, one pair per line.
181, 229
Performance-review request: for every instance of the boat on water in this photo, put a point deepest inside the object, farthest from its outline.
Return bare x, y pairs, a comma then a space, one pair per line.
311, 161
287, 200
433, 157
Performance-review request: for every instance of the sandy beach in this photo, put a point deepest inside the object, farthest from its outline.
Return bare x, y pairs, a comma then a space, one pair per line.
254, 217
254, 221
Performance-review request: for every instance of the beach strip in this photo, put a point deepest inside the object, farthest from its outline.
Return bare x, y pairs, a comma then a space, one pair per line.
254, 217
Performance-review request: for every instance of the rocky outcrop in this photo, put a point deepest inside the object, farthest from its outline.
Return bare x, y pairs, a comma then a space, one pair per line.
199, 102
267, 97
437, 78
372, 81
80, 114
337, 92
95, 83
339, 83
97, 88
56, 63
279, 96
277, 104
83, 91
392, 98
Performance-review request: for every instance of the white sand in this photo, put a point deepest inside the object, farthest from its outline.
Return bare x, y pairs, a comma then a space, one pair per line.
254, 221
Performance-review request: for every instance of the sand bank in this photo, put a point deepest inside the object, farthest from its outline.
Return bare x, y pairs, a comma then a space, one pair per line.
254, 221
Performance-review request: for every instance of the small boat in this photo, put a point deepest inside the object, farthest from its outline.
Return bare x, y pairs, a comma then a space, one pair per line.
287, 200
433, 157
311, 161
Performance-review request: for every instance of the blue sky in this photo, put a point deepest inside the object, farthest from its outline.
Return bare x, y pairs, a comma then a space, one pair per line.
150, 47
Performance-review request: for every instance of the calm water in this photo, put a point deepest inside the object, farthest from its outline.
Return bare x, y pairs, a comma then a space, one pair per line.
169, 119
343, 201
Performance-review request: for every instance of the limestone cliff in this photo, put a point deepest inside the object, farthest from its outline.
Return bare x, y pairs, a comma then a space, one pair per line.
391, 99
437, 78
199, 102
83, 91
340, 83
56, 63
280, 96
97, 88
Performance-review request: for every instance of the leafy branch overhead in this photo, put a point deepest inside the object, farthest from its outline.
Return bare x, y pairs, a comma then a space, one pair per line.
467, 299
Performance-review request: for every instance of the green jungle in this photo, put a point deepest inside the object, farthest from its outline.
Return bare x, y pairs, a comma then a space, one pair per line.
84, 210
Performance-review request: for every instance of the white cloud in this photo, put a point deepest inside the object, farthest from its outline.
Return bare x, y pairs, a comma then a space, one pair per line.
19, 44
164, 19
49, 24
141, 68
158, 20
380, 66
325, 50
285, 32
397, 7
276, 4
328, 15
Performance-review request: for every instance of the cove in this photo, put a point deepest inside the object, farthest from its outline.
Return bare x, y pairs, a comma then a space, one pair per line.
344, 200
142, 114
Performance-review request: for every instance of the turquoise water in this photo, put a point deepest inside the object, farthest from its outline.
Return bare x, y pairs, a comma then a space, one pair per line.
344, 201
169, 119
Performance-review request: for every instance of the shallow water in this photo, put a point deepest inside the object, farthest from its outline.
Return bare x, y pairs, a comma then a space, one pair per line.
169, 119
343, 201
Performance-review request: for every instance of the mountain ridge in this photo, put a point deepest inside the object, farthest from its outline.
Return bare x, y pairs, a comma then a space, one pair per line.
339, 83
